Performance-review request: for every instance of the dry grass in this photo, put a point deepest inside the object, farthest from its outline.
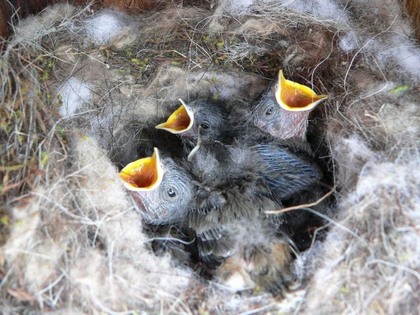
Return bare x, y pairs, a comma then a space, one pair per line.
71, 240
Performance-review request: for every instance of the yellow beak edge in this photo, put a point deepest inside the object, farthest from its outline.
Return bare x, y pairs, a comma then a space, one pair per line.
180, 120
144, 174
293, 96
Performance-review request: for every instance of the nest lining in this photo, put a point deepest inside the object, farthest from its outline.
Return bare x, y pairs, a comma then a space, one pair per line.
72, 241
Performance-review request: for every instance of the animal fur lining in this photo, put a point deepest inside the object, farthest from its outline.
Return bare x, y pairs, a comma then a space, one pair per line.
72, 77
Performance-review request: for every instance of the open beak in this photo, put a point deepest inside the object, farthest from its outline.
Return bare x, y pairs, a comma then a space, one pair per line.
293, 96
180, 121
144, 174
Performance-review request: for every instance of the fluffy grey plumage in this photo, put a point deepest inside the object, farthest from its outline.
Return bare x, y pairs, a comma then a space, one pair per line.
240, 184
73, 234
281, 169
231, 224
233, 193
210, 118
259, 251
240, 180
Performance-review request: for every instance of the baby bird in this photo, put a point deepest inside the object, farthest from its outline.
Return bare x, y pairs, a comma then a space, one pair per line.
160, 187
276, 170
162, 191
200, 119
261, 258
167, 195
283, 110
284, 168
229, 187
230, 222
225, 155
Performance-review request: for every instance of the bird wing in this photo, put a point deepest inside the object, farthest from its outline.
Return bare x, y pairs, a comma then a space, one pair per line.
286, 172
215, 245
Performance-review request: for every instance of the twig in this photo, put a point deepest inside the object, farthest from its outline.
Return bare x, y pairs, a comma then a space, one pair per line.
305, 205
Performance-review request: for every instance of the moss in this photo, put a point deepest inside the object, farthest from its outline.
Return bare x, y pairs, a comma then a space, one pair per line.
5, 221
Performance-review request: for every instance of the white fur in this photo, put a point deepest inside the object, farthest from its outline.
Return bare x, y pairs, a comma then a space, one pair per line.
74, 94
103, 27
77, 244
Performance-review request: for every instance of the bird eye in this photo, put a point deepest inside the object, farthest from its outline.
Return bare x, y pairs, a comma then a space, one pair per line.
269, 111
171, 192
205, 125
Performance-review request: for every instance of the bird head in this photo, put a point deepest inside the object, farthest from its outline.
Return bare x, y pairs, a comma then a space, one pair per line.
161, 188
199, 118
284, 108
295, 97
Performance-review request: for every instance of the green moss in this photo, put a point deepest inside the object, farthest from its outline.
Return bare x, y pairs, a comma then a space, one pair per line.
400, 89
44, 158
4, 220
344, 290
216, 96
220, 44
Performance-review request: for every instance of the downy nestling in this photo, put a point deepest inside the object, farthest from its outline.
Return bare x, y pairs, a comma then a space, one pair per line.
283, 109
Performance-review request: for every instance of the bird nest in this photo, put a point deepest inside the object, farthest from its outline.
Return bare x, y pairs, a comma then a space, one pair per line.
72, 77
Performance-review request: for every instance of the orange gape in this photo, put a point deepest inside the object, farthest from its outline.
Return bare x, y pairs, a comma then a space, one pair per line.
293, 96
143, 176
296, 99
178, 121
